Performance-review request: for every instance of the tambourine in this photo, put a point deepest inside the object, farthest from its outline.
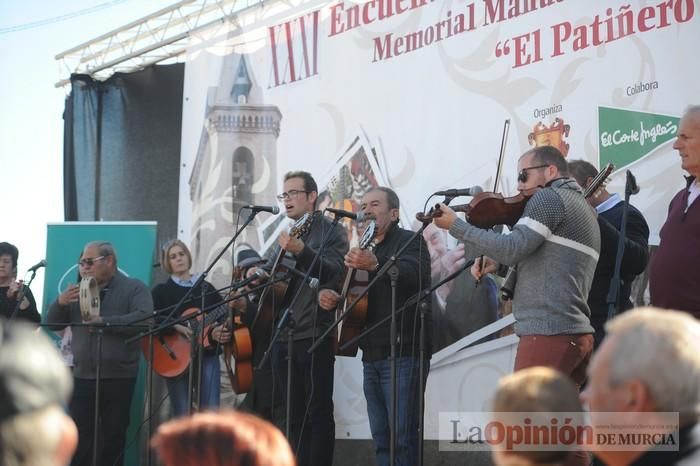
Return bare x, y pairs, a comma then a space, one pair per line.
89, 298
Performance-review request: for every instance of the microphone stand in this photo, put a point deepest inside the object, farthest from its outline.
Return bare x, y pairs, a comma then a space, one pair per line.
388, 267
21, 294
287, 320
420, 299
613, 298
98, 329
189, 292
380, 273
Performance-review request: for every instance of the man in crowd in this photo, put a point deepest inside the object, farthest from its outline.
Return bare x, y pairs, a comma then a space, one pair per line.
538, 394
672, 281
636, 254
382, 205
123, 300
34, 386
648, 363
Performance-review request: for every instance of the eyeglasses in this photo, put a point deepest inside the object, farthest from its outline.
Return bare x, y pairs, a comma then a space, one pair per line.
291, 194
89, 262
522, 174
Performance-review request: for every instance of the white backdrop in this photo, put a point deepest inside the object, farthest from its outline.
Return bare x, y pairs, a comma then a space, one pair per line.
433, 115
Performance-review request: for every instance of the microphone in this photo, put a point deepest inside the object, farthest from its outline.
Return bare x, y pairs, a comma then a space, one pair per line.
359, 216
473, 191
37, 266
631, 185
273, 209
311, 281
260, 273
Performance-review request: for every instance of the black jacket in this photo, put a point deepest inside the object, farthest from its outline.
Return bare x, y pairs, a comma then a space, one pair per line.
414, 274
309, 317
634, 260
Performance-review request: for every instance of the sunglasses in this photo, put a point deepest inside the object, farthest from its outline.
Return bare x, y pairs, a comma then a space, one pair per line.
89, 262
522, 174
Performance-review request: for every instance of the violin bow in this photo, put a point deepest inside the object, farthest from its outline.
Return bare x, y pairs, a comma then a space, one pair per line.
499, 170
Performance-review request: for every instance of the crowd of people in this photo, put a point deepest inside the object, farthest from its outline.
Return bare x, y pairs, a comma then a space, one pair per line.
642, 364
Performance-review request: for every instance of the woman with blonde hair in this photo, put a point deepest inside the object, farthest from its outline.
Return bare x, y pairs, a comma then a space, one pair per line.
176, 260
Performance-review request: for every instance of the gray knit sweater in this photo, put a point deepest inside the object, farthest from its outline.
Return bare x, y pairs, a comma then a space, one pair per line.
555, 245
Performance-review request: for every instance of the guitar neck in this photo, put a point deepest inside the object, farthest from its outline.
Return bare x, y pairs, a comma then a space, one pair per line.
215, 315
349, 274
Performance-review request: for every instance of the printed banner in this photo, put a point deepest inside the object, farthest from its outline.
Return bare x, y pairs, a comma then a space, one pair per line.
413, 94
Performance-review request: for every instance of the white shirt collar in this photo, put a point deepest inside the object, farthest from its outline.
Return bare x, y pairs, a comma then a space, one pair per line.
609, 203
189, 282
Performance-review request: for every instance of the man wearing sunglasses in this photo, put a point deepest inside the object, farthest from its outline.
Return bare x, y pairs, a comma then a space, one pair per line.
555, 245
122, 300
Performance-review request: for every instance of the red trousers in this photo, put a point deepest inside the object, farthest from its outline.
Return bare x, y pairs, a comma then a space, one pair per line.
568, 354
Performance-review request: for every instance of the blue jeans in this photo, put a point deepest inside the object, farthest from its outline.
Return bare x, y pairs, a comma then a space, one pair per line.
377, 388
210, 391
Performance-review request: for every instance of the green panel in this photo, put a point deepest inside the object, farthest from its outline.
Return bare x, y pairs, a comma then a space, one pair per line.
626, 136
135, 247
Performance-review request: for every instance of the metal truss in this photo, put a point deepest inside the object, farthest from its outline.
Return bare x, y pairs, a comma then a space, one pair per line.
158, 37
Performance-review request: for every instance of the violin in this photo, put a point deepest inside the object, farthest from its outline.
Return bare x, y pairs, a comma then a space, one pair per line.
487, 210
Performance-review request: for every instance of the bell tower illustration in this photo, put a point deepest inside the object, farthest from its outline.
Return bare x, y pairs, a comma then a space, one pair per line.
236, 163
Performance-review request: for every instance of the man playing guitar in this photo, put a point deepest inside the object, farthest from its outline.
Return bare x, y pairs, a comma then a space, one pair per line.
312, 433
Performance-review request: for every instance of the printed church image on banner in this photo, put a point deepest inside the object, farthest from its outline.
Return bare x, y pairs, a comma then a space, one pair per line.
236, 164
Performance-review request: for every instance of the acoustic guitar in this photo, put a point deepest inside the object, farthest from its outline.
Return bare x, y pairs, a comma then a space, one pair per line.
272, 296
238, 353
171, 351
354, 322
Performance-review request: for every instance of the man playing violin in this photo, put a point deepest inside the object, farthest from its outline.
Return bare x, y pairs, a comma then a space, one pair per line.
555, 245
312, 435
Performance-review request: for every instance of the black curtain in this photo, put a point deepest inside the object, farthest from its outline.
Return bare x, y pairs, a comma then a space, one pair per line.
122, 147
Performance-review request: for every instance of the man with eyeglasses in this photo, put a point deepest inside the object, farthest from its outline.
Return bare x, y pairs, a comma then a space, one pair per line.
122, 300
312, 435
555, 246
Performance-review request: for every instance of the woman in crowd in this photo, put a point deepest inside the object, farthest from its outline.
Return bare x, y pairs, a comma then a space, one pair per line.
226, 438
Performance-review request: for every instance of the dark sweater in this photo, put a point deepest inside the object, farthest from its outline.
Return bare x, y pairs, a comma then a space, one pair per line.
634, 259
310, 319
169, 293
413, 274
8, 305
688, 453
673, 282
